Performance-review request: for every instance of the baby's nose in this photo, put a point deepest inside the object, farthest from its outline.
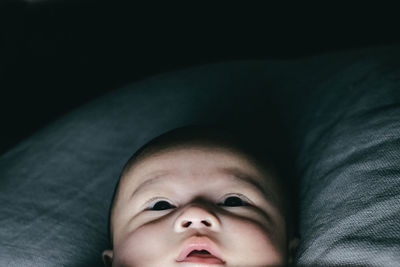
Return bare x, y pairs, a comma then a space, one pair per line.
196, 216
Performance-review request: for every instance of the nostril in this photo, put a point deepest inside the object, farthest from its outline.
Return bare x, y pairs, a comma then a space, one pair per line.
206, 223
186, 224
188, 221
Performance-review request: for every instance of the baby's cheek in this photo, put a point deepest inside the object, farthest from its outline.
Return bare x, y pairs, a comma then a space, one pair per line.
143, 247
253, 244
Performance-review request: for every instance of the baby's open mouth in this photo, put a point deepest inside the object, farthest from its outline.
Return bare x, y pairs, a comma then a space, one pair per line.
202, 256
200, 253
200, 250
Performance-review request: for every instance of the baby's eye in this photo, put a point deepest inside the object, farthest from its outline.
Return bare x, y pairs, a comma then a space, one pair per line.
162, 205
234, 201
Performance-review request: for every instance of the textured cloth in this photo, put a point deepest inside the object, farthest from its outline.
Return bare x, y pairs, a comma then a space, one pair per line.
350, 167
343, 114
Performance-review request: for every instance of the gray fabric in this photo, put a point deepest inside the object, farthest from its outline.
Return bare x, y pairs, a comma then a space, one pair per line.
350, 167
343, 116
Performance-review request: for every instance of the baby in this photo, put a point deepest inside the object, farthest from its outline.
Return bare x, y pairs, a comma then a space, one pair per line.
197, 196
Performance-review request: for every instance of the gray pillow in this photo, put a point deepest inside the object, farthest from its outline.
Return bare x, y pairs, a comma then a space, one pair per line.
349, 164
55, 187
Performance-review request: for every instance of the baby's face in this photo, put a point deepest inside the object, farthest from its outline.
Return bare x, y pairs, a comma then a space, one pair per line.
181, 200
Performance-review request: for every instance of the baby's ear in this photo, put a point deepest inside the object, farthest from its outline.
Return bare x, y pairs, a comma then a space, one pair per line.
107, 256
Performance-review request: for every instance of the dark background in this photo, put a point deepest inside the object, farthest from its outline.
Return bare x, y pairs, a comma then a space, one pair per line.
57, 55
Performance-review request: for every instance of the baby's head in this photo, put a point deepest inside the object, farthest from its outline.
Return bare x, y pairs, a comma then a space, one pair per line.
200, 196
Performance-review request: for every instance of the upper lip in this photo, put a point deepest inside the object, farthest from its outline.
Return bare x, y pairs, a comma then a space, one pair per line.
199, 243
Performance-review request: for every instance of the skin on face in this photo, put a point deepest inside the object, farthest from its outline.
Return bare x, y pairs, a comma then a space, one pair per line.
197, 181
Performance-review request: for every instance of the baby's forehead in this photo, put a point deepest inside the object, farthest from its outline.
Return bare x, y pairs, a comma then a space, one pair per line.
187, 152
181, 164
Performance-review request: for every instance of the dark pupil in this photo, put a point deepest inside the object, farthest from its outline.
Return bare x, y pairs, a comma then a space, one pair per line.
233, 201
161, 205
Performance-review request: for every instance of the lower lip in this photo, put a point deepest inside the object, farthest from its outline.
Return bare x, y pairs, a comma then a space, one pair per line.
199, 259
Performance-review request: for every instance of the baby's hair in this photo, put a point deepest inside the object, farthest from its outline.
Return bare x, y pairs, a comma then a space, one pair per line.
268, 155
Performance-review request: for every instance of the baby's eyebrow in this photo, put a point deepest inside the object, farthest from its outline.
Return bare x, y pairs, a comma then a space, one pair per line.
155, 177
244, 177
